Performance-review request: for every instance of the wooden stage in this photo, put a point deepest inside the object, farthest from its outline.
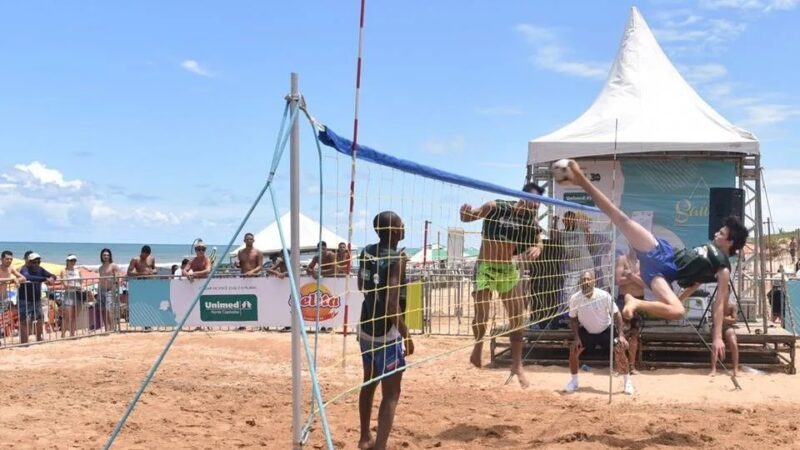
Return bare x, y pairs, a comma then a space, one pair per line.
663, 344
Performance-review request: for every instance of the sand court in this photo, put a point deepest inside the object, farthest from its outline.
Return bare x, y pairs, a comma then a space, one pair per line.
232, 390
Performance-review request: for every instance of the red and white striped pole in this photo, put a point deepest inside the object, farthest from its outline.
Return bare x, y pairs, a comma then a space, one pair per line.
353, 170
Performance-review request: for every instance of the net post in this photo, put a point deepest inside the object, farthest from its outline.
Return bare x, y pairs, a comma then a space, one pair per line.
613, 270
294, 179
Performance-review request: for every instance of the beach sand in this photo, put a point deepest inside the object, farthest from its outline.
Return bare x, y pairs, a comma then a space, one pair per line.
232, 390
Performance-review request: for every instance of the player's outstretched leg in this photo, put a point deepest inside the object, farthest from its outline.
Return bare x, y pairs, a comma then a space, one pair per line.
638, 237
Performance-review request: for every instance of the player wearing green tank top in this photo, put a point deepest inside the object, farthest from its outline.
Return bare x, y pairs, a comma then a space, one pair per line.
509, 228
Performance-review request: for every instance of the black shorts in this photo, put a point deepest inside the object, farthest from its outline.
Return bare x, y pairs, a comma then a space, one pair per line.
636, 321
592, 341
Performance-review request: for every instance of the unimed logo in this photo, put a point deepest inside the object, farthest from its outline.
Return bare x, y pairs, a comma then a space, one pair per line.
229, 308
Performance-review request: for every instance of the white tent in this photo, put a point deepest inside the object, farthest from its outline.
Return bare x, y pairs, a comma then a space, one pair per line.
645, 106
268, 240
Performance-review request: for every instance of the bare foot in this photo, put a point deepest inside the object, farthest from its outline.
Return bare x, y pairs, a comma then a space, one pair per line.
713, 373
475, 357
630, 307
521, 377
366, 444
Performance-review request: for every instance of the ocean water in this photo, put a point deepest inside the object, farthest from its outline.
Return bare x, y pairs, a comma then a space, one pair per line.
89, 253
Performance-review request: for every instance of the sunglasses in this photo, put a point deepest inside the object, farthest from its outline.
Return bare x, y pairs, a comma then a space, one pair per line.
200, 249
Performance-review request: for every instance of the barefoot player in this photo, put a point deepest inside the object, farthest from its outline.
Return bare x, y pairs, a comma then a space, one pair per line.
383, 335
660, 265
508, 227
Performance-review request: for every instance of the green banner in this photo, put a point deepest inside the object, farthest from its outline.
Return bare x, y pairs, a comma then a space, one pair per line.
229, 308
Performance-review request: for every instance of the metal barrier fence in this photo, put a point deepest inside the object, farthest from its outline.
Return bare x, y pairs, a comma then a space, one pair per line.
68, 308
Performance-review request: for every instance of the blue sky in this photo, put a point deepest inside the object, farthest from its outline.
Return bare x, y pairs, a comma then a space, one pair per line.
155, 121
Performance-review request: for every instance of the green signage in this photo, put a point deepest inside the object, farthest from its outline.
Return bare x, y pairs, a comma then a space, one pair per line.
229, 308
581, 198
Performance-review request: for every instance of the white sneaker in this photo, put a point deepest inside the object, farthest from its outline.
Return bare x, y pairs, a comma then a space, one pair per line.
572, 386
628, 387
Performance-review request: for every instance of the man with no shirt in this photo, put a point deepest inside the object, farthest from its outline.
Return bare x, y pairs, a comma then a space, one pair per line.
144, 265
251, 260
10, 278
509, 228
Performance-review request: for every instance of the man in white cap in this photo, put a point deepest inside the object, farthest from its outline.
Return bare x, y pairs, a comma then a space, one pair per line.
30, 296
200, 266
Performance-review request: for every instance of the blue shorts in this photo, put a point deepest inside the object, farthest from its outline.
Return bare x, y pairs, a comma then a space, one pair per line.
382, 357
30, 310
659, 261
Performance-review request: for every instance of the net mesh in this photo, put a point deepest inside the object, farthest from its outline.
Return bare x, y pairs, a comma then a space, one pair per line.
457, 261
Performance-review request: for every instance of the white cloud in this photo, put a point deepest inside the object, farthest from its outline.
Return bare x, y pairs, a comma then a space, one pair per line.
102, 212
782, 186
750, 5
703, 73
697, 34
444, 146
763, 114
551, 54
195, 68
36, 174
499, 110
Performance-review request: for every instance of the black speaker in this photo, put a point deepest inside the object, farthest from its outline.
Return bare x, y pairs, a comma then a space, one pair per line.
724, 202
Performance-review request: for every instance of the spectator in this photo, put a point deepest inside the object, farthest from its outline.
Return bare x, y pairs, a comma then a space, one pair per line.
575, 240
30, 296
108, 288
590, 312
278, 267
144, 265
775, 296
10, 279
729, 334
792, 248
200, 266
343, 260
175, 268
547, 279
74, 296
327, 264
629, 282
251, 261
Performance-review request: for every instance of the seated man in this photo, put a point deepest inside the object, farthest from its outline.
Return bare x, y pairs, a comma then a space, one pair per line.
729, 333
660, 264
590, 311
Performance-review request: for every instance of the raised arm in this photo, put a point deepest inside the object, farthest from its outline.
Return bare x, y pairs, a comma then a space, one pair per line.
132, 267
470, 214
723, 277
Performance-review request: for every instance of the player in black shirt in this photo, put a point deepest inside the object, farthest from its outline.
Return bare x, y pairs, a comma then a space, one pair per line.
383, 335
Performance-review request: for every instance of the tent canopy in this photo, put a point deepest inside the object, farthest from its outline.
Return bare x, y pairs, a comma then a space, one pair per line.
644, 106
268, 240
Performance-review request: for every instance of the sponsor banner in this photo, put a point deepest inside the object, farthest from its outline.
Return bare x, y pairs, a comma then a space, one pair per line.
148, 303
241, 302
793, 302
